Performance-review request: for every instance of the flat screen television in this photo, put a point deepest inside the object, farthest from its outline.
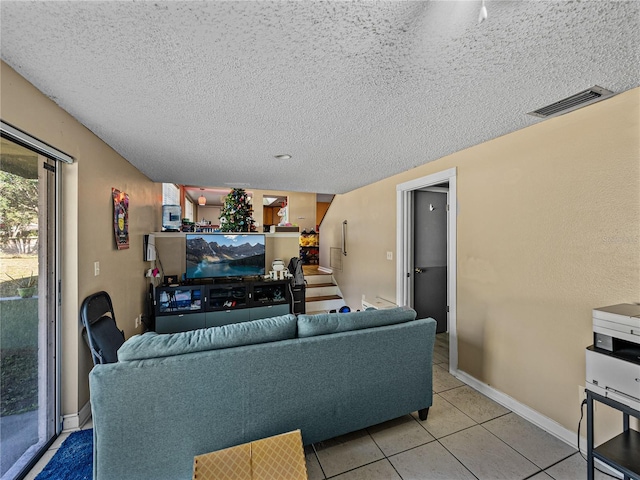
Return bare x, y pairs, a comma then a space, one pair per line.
216, 255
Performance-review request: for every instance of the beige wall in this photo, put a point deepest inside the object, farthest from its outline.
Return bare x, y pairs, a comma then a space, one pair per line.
548, 229
302, 207
209, 213
87, 228
171, 250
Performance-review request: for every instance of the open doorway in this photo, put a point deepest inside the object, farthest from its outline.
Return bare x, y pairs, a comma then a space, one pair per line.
408, 204
430, 242
275, 210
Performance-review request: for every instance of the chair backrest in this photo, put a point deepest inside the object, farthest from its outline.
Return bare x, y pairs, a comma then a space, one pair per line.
100, 329
295, 268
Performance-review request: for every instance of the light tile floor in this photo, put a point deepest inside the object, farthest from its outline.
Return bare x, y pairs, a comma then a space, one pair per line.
466, 436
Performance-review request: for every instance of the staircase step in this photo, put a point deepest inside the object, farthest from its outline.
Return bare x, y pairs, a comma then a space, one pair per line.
322, 291
313, 270
323, 294
323, 298
318, 279
319, 285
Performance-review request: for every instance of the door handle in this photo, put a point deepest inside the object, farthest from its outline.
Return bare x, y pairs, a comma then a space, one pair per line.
419, 270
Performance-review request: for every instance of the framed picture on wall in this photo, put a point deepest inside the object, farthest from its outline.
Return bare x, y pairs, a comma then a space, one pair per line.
121, 218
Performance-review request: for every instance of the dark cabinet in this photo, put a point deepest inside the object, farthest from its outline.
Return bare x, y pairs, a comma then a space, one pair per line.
270, 293
225, 317
173, 300
227, 296
190, 307
180, 322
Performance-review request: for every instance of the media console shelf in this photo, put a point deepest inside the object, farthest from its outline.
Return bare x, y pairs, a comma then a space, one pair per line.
189, 307
622, 452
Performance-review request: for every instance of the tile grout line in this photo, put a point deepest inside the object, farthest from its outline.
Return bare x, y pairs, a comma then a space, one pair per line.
457, 459
540, 469
385, 455
554, 464
315, 452
480, 424
356, 468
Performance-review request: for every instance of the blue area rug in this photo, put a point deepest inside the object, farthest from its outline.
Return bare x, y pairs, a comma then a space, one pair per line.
73, 460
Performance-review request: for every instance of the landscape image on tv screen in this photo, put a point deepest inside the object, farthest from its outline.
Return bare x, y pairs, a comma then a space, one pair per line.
224, 255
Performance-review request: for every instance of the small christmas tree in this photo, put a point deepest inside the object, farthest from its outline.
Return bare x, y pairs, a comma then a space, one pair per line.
235, 215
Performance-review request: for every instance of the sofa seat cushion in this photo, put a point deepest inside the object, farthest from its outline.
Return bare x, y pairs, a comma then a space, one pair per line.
326, 323
153, 345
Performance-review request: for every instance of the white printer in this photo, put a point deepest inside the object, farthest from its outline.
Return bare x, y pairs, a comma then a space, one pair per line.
613, 361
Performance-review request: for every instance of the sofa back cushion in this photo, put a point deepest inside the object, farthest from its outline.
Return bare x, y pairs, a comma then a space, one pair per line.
153, 345
326, 323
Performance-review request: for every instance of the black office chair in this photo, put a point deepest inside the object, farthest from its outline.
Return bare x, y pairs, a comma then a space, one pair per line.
100, 329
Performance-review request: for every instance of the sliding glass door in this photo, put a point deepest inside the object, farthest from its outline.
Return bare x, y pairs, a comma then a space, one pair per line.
28, 373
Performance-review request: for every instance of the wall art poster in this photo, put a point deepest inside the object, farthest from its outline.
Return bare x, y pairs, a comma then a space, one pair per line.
121, 218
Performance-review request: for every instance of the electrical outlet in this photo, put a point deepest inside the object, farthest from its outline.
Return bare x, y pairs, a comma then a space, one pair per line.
582, 395
96, 268
137, 321
389, 255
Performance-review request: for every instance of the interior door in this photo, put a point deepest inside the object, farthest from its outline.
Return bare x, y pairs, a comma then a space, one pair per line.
430, 256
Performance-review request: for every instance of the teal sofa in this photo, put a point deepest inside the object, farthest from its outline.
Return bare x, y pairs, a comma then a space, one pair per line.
174, 396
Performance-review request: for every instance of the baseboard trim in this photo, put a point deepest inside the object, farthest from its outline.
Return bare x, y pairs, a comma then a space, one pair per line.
545, 423
74, 421
550, 426
325, 269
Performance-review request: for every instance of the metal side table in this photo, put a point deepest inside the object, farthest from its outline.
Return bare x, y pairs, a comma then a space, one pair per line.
622, 452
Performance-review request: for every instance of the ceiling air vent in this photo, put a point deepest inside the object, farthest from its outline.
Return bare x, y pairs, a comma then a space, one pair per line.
579, 100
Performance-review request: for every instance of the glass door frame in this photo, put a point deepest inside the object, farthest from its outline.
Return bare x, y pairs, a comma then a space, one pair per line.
50, 310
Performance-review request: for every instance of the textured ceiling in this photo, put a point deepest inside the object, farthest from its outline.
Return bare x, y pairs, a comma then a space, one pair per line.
206, 93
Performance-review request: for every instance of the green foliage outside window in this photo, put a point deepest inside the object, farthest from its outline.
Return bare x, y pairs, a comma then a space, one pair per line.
18, 208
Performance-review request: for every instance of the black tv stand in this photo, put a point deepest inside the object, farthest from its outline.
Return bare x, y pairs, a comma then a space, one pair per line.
195, 282
189, 307
224, 280
254, 278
